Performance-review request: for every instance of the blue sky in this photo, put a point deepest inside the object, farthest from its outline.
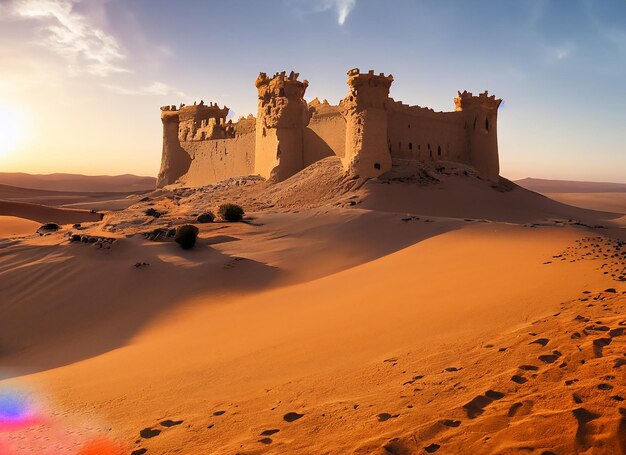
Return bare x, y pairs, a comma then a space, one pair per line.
82, 81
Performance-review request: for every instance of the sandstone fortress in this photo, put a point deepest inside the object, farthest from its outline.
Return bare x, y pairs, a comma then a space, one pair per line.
368, 130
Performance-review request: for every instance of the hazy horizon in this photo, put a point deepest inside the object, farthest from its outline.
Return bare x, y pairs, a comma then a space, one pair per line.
82, 82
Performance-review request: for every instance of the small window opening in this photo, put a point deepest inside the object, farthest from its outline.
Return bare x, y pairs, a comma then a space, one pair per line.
486, 123
399, 146
281, 92
409, 126
377, 166
475, 118
439, 150
410, 145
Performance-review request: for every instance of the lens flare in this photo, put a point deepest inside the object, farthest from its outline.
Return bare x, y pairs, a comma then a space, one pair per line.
102, 446
15, 410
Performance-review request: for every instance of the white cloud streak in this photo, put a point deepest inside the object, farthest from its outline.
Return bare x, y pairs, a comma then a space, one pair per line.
341, 7
71, 35
154, 89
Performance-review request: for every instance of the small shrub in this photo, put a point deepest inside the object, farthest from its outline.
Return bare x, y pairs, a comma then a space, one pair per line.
207, 217
231, 212
186, 236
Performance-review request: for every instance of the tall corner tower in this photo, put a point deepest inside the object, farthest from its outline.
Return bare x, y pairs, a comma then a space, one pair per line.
365, 111
481, 123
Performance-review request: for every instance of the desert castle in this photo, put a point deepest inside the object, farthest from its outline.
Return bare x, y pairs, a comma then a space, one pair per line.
368, 130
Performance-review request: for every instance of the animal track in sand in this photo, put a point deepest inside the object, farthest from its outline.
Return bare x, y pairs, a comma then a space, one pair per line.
266, 440
269, 432
219, 413
432, 448
139, 451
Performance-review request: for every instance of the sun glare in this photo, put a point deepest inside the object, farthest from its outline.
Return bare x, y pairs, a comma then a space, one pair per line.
10, 131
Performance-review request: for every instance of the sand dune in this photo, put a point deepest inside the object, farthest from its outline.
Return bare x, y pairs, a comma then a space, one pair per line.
44, 214
78, 182
569, 186
426, 312
611, 202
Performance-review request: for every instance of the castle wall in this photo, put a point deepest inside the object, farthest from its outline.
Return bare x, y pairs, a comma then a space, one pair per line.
416, 133
325, 136
215, 160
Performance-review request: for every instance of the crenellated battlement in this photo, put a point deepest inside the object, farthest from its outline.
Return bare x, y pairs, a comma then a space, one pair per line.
483, 100
280, 85
356, 79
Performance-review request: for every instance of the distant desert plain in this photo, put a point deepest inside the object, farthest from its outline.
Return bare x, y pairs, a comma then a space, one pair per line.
424, 311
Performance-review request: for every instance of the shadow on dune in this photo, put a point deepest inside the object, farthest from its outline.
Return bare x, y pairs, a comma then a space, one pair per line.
65, 303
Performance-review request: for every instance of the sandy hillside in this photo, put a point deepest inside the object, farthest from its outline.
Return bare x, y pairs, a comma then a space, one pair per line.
428, 311
77, 182
590, 195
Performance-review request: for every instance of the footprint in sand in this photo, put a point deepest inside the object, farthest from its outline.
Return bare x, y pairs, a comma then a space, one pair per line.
550, 358
451, 423
139, 451
432, 448
148, 433
292, 416
528, 367
269, 432
452, 369
521, 408
605, 386
599, 344
541, 341
583, 417
518, 379
477, 405
171, 423
219, 413
619, 363
384, 416
266, 441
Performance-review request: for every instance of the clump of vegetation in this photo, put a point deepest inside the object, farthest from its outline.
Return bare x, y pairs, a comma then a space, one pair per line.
50, 227
231, 212
207, 217
186, 236
153, 212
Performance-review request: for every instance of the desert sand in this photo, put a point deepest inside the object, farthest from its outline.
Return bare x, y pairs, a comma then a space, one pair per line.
426, 311
609, 197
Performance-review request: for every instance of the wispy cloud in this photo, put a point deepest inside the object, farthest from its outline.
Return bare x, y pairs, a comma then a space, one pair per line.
341, 7
72, 36
156, 89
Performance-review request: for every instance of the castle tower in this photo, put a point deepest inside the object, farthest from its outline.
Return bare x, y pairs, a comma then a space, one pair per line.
282, 116
174, 160
365, 111
481, 122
